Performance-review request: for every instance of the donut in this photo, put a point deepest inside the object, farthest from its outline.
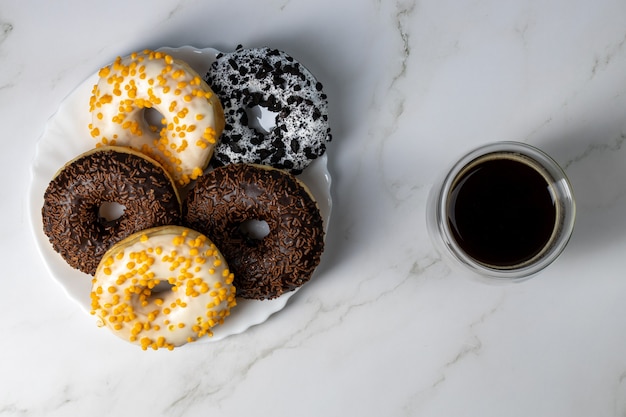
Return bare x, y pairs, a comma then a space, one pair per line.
192, 117
269, 78
227, 197
74, 197
162, 288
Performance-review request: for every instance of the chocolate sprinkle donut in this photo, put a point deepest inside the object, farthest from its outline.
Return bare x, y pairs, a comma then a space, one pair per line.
223, 199
105, 175
269, 78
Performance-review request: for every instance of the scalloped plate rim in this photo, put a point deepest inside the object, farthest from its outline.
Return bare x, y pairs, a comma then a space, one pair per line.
248, 313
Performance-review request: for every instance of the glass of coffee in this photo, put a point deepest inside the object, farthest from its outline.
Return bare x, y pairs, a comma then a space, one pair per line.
505, 210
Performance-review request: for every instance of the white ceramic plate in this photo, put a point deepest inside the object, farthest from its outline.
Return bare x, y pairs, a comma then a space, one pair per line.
67, 136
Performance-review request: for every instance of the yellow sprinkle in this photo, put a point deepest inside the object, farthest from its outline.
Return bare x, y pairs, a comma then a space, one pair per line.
104, 72
197, 172
160, 341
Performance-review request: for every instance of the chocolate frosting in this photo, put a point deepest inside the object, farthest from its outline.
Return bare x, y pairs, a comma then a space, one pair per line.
108, 174
283, 260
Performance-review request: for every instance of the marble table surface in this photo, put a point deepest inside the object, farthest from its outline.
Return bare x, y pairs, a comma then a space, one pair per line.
385, 328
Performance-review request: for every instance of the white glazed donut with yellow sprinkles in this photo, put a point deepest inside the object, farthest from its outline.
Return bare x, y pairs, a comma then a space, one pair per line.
162, 288
192, 115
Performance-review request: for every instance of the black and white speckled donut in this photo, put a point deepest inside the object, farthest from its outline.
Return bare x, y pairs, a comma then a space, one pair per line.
269, 78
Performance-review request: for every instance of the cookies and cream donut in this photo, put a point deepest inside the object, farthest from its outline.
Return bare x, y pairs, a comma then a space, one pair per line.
191, 115
162, 288
271, 79
74, 197
227, 197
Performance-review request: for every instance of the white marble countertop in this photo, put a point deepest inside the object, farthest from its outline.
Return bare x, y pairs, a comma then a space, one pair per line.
385, 328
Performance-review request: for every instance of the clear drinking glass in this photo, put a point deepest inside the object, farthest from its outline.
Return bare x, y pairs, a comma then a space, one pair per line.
505, 211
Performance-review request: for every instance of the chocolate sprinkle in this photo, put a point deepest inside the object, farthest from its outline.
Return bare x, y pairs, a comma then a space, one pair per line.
108, 174
274, 80
282, 261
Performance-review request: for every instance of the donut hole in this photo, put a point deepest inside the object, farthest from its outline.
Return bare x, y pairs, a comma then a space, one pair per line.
254, 229
261, 119
153, 117
161, 287
162, 291
110, 211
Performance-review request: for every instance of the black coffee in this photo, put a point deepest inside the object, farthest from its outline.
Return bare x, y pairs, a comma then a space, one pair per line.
502, 210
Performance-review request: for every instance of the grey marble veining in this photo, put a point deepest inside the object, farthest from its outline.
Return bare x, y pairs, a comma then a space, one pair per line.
386, 327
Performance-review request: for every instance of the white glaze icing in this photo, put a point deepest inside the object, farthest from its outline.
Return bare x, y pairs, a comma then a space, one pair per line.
190, 115
273, 82
163, 287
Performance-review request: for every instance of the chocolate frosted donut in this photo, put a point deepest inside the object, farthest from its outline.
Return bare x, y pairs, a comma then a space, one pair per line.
269, 78
119, 175
227, 197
